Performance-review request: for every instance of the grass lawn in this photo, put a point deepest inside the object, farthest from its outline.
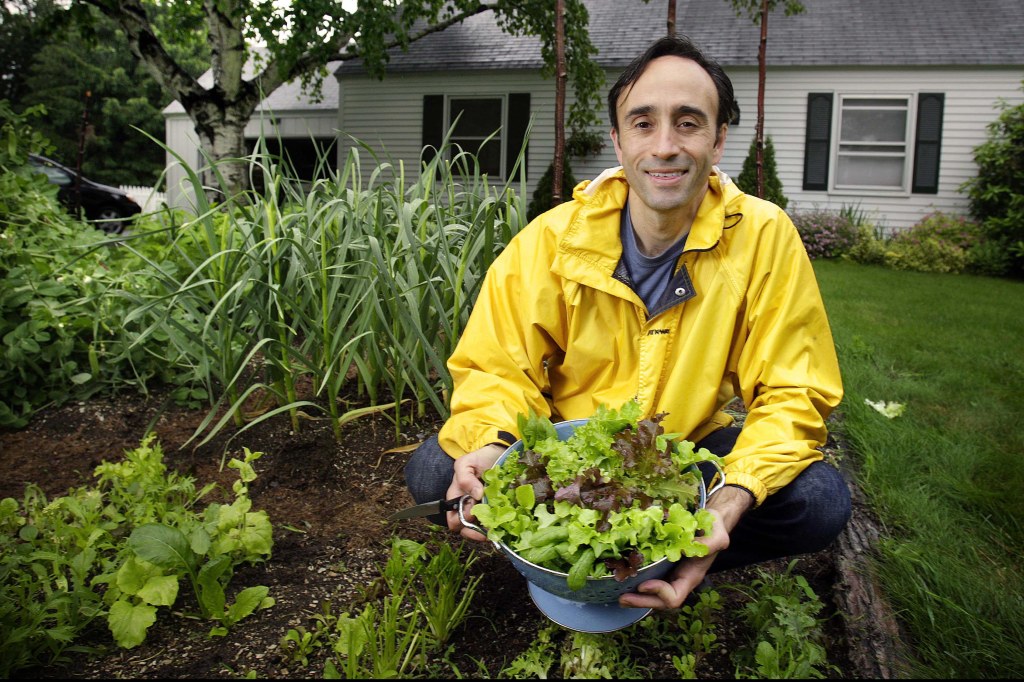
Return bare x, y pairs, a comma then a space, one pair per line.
946, 476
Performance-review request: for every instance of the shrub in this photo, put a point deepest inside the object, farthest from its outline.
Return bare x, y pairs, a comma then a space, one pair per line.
825, 234
542, 194
997, 193
869, 247
747, 180
942, 242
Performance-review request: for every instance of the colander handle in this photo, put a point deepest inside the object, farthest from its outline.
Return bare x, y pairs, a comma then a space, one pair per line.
721, 481
462, 517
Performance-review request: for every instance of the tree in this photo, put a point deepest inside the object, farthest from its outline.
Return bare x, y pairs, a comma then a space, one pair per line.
24, 33
771, 185
122, 99
758, 11
299, 39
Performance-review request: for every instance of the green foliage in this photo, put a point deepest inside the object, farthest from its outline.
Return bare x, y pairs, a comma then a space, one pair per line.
24, 33
939, 242
588, 521
997, 193
298, 40
752, 8
947, 472
788, 642
318, 281
544, 192
747, 180
427, 597
116, 551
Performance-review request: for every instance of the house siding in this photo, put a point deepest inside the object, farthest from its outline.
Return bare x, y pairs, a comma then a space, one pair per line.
970, 99
386, 115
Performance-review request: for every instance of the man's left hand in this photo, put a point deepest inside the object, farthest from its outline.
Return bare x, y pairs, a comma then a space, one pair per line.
726, 506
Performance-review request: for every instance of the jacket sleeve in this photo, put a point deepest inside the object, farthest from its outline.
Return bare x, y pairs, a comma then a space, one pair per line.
498, 365
787, 369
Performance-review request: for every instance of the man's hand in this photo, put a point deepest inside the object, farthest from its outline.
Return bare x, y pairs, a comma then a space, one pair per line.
727, 506
468, 470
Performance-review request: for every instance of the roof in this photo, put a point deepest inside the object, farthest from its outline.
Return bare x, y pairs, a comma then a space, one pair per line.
289, 97
827, 33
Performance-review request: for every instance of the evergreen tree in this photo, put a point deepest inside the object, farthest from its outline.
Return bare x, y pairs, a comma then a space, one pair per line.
542, 195
747, 181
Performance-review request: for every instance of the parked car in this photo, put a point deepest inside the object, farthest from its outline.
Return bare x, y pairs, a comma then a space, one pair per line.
108, 207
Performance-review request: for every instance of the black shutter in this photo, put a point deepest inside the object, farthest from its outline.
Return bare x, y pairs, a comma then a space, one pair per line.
518, 120
928, 142
433, 125
818, 140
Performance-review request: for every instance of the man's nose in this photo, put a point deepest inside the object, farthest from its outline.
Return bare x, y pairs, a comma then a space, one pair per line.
666, 143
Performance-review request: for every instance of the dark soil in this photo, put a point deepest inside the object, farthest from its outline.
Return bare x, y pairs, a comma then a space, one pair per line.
328, 502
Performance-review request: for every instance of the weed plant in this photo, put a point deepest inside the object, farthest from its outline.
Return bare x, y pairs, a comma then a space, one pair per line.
117, 551
944, 476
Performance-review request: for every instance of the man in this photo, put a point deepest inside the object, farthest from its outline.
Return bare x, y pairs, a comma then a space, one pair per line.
660, 281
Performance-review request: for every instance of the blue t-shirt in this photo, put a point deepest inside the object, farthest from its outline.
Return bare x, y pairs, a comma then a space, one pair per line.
649, 277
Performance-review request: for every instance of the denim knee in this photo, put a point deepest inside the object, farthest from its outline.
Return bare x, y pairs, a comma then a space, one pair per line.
429, 472
805, 516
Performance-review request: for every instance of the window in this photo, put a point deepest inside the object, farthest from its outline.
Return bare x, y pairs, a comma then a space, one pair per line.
872, 149
882, 143
307, 158
500, 120
474, 121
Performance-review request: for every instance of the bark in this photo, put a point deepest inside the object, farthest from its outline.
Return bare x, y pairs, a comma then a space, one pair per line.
560, 80
762, 68
876, 648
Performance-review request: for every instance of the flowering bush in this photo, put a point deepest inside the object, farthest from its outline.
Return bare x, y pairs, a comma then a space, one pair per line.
826, 234
942, 242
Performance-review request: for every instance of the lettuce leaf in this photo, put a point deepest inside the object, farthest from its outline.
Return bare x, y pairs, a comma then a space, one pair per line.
620, 486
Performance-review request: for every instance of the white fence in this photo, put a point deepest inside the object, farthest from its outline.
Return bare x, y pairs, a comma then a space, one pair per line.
146, 197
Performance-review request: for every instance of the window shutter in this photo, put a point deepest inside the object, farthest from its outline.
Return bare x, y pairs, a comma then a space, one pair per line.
818, 140
928, 142
518, 120
433, 125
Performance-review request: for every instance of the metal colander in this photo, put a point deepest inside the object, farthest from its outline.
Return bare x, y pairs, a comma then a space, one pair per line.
602, 590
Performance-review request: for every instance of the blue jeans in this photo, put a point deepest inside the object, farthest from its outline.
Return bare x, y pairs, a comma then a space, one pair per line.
803, 517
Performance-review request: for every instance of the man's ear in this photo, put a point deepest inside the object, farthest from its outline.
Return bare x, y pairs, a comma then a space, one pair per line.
615, 143
720, 142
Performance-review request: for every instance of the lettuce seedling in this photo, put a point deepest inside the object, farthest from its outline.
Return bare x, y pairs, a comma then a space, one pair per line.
618, 494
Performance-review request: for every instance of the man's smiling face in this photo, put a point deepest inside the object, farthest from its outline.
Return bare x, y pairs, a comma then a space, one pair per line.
667, 140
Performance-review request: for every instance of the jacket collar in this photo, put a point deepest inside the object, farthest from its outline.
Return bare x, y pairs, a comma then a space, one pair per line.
593, 235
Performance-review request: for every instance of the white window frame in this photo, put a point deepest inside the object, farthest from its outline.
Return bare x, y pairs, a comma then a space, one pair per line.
906, 148
501, 138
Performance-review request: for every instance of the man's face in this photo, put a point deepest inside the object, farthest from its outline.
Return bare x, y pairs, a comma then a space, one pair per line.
667, 139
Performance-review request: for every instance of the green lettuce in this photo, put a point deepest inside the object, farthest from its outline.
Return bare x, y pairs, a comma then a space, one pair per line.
619, 490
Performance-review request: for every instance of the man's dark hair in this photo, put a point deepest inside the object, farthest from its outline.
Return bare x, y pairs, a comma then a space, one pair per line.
677, 46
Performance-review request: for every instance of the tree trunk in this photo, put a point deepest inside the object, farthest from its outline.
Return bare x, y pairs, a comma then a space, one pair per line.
221, 131
671, 23
762, 67
560, 79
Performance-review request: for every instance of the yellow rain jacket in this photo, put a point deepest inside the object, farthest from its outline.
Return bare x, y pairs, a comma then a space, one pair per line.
554, 330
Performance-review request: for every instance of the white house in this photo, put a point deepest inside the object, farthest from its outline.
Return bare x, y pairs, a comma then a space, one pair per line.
875, 104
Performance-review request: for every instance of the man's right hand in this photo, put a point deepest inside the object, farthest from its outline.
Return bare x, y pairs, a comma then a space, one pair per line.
468, 470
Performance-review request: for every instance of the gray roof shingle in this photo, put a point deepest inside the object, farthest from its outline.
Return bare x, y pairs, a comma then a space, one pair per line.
828, 33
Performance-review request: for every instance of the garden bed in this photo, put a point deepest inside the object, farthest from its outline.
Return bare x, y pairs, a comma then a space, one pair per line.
327, 502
